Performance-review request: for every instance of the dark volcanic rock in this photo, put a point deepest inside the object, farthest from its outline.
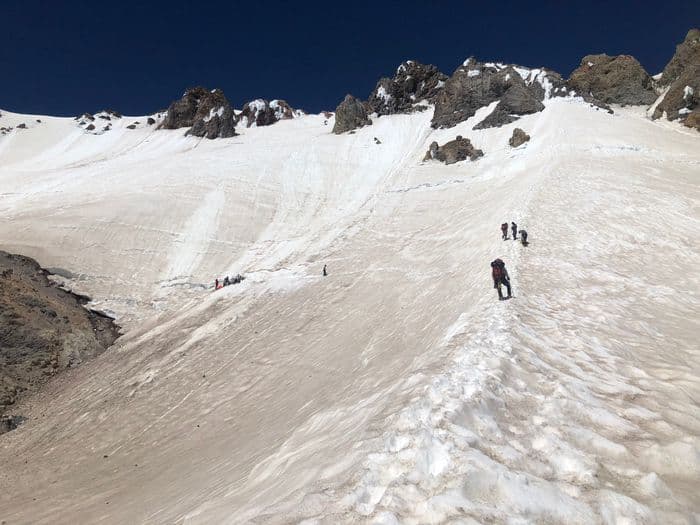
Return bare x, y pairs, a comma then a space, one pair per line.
518, 138
682, 80
687, 54
350, 114
151, 121
475, 85
260, 112
43, 330
412, 83
613, 80
90, 127
207, 114
454, 151
22, 126
517, 100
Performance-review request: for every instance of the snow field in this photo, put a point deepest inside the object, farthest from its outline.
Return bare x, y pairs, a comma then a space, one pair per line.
396, 390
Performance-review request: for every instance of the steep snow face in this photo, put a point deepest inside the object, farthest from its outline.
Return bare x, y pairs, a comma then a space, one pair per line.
396, 389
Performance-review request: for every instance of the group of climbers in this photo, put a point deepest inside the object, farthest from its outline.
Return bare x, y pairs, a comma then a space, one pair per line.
227, 281
238, 278
499, 274
498, 267
514, 229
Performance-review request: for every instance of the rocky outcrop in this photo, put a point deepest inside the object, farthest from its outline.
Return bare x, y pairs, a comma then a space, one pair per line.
350, 114
413, 83
681, 80
518, 138
43, 330
520, 91
206, 114
687, 56
260, 112
613, 80
454, 151
692, 120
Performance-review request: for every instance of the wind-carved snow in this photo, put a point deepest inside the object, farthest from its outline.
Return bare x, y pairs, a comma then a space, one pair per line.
381, 93
192, 244
540, 76
397, 389
687, 92
214, 112
473, 73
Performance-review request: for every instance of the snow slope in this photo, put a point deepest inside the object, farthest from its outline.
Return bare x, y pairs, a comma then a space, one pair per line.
397, 389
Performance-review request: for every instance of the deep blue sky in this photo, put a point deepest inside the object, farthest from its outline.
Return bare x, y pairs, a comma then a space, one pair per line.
66, 57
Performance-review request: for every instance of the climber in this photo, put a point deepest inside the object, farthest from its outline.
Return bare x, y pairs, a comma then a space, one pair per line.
325, 270
216, 283
523, 237
226, 281
500, 276
514, 227
504, 230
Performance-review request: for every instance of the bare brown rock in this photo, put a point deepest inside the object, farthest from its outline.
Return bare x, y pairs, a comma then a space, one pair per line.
453, 151
260, 112
681, 77
518, 138
350, 114
613, 80
413, 82
43, 330
693, 120
475, 85
207, 114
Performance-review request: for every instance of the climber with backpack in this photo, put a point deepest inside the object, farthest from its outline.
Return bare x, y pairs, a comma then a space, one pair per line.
523, 237
500, 276
514, 227
504, 230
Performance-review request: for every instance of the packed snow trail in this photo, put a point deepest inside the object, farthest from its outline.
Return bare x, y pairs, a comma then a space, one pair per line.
397, 389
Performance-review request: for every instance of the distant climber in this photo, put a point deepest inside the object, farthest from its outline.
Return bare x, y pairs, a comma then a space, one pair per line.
237, 279
500, 276
216, 283
504, 230
523, 237
514, 228
226, 281
325, 270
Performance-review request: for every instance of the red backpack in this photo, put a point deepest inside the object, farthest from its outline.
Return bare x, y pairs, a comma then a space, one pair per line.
497, 268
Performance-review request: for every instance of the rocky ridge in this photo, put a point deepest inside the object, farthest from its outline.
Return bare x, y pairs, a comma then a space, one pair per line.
519, 91
43, 330
350, 115
207, 114
260, 112
613, 80
412, 84
680, 81
600, 80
